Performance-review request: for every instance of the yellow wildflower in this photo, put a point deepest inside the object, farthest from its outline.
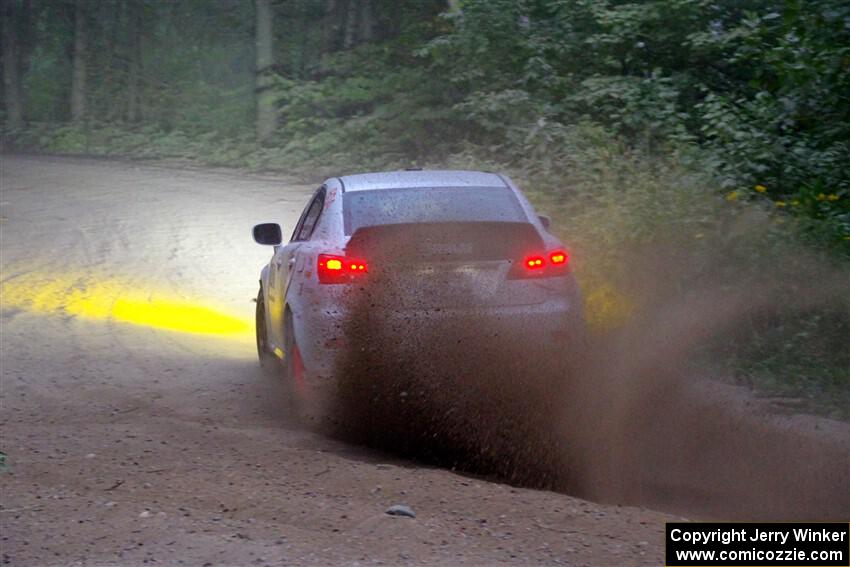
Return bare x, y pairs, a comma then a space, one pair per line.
821, 197
795, 203
760, 188
832, 197
779, 204
732, 196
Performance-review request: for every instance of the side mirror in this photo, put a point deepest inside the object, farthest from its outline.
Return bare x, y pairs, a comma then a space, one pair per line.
268, 233
545, 221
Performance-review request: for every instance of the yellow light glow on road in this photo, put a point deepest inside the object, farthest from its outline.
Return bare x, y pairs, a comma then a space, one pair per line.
85, 297
186, 318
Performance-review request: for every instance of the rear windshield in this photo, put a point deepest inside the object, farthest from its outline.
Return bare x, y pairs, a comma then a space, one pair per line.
442, 204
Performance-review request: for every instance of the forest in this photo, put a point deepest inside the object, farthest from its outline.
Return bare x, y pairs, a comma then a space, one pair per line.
719, 127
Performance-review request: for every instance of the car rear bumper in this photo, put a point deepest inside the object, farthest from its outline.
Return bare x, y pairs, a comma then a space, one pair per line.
325, 336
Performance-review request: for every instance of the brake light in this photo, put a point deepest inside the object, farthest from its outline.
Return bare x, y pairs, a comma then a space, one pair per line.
558, 258
339, 269
535, 263
552, 264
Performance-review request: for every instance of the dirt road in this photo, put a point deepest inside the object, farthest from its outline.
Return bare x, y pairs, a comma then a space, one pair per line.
138, 428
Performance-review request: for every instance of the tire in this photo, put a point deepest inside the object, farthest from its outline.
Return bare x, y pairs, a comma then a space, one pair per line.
292, 369
268, 362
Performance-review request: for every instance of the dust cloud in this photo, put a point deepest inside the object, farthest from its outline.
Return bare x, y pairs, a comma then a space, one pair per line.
625, 417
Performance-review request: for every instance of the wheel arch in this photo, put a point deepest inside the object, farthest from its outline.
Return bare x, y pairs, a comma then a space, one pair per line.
264, 278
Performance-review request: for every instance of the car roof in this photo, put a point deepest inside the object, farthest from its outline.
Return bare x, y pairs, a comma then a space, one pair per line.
420, 178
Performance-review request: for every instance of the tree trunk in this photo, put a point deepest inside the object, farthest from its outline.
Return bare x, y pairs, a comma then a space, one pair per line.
330, 32
366, 33
11, 70
299, 33
78, 79
266, 113
135, 37
330, 26
350, 35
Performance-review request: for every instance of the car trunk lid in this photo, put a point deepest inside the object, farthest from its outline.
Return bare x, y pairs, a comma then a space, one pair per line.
447, 265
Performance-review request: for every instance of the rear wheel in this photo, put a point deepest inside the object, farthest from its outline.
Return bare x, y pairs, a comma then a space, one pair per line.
293, 366
267, 359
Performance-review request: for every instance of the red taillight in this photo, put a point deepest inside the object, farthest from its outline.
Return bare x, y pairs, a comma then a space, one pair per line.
339, 269
535, 263
558, 258
538, 266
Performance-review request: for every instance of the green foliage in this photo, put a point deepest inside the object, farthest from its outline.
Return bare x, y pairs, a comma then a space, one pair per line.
759, 86
788, 127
